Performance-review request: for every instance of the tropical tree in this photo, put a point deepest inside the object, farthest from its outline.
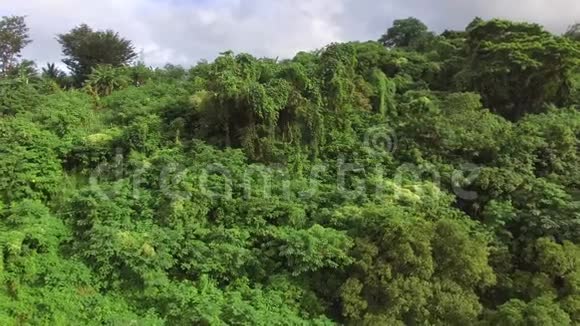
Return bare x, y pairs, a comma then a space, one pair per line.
404, 33
51, 71
105, 79
24, 71
573, 32
85, 49
518, 67
13, 38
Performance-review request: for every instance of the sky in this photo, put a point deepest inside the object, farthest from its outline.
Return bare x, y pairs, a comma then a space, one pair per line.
185, 31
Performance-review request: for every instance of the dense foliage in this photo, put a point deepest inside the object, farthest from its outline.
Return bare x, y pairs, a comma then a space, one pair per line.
431, 181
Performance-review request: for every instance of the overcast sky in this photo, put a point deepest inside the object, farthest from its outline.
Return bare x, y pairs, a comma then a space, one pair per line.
185, 31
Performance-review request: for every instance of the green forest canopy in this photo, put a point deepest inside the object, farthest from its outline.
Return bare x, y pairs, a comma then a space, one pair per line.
423, 179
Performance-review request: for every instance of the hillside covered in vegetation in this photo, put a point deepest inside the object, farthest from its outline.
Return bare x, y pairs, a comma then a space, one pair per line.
422, 179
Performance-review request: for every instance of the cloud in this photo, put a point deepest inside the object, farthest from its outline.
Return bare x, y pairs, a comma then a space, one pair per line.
261, 27
185, 31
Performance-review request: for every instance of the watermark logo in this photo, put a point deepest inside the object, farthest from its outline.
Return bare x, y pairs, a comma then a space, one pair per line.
353, 178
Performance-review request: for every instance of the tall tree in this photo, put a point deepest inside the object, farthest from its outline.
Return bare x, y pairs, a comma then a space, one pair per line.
13, 38
518, 67
404, 33
85, 49
573, 32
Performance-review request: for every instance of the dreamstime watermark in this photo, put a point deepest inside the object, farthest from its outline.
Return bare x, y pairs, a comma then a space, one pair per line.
349, 175
381, 140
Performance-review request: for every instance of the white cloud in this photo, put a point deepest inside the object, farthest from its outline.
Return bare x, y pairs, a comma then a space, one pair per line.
185, 31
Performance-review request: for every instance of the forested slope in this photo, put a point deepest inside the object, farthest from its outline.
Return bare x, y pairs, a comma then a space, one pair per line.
425, 179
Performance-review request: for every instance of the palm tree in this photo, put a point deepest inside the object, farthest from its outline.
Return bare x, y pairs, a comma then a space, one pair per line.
51, 71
